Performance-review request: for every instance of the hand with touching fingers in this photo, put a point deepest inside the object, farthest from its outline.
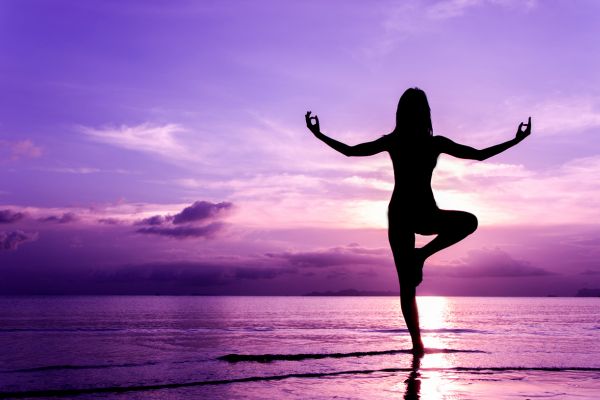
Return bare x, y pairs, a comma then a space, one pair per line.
314, 128
522, 134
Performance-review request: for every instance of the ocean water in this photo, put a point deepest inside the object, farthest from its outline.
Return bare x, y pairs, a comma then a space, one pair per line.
154, 347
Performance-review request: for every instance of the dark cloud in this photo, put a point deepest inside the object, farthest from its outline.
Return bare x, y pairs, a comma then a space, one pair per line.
200, 211
182, 232
199, 274
171, 225
352, 255
9, 216
254, 273
155, 220
111, 221
12, 240
487, 263
70, 274
591, 272
63, 219
190, 275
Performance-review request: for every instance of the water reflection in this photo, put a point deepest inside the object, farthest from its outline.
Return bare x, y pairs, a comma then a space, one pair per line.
435, 315
413, 383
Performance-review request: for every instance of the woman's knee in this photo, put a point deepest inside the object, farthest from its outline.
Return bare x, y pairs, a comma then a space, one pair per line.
470, 223
460, 223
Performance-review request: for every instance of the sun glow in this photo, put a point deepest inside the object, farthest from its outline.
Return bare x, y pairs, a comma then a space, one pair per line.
434, 313
368, 214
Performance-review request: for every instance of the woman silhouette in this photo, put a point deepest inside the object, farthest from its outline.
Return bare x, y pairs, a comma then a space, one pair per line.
412, 209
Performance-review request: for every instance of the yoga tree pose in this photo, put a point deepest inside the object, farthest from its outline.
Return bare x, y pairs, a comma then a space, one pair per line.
412, 209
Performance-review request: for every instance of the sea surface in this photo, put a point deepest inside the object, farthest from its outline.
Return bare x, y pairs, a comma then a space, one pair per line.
160, 347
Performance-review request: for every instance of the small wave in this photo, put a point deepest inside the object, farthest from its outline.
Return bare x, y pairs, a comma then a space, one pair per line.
265, 358
140, 388
47, 330
250, 329
440, 330
136, 330
72, 367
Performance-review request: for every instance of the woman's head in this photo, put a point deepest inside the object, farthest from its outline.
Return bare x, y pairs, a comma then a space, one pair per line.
413, 116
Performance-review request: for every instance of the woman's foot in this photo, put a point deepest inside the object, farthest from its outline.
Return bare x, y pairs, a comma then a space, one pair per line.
418, 262
418, 349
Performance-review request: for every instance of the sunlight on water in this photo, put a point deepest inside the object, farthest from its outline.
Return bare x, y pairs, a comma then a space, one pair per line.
434, 315
434, 311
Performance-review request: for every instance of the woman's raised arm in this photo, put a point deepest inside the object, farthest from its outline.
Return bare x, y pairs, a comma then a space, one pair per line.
461, 151
363, 149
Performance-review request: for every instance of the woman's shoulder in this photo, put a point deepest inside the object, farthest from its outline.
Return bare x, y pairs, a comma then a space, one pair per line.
439, 141
388, 138
439, 138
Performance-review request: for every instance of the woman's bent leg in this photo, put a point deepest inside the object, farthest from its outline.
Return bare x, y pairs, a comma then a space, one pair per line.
403, 246
451, 227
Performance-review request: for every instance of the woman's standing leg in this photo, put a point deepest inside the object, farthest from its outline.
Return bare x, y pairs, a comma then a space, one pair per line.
403, 246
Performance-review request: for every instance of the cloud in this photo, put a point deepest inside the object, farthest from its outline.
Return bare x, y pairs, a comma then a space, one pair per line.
155, 220
450, 8
512, 194
410, 18
78, 170
9, 216
20, 149
447, 9
591, 272
487, 263
200, 211
230, 270
200, 274
110, 221
338, 256
63, 219
194, 273
184, 224
88, 170
558, 116
254, 273
182, 232
12, 240
148, 138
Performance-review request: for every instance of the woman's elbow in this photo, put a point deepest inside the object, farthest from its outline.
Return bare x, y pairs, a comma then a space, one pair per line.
348, 151
480, 155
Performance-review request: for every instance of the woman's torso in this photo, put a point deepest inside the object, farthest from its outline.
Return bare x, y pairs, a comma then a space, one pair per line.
414, 162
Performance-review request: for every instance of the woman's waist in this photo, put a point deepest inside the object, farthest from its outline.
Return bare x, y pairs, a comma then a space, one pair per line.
422, 197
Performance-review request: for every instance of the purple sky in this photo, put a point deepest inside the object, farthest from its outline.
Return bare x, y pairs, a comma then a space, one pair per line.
160, 147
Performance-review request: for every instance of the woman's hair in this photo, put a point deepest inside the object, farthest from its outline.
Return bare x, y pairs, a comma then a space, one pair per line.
413, 116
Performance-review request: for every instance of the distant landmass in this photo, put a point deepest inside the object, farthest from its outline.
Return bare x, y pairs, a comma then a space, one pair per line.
354, 292
588, 293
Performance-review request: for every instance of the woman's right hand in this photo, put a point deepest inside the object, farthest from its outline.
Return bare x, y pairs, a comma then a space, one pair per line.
314, 128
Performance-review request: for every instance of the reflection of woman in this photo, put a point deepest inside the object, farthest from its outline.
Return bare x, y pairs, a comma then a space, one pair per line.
414, 152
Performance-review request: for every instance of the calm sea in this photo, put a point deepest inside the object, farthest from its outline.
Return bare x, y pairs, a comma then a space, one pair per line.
298, 347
